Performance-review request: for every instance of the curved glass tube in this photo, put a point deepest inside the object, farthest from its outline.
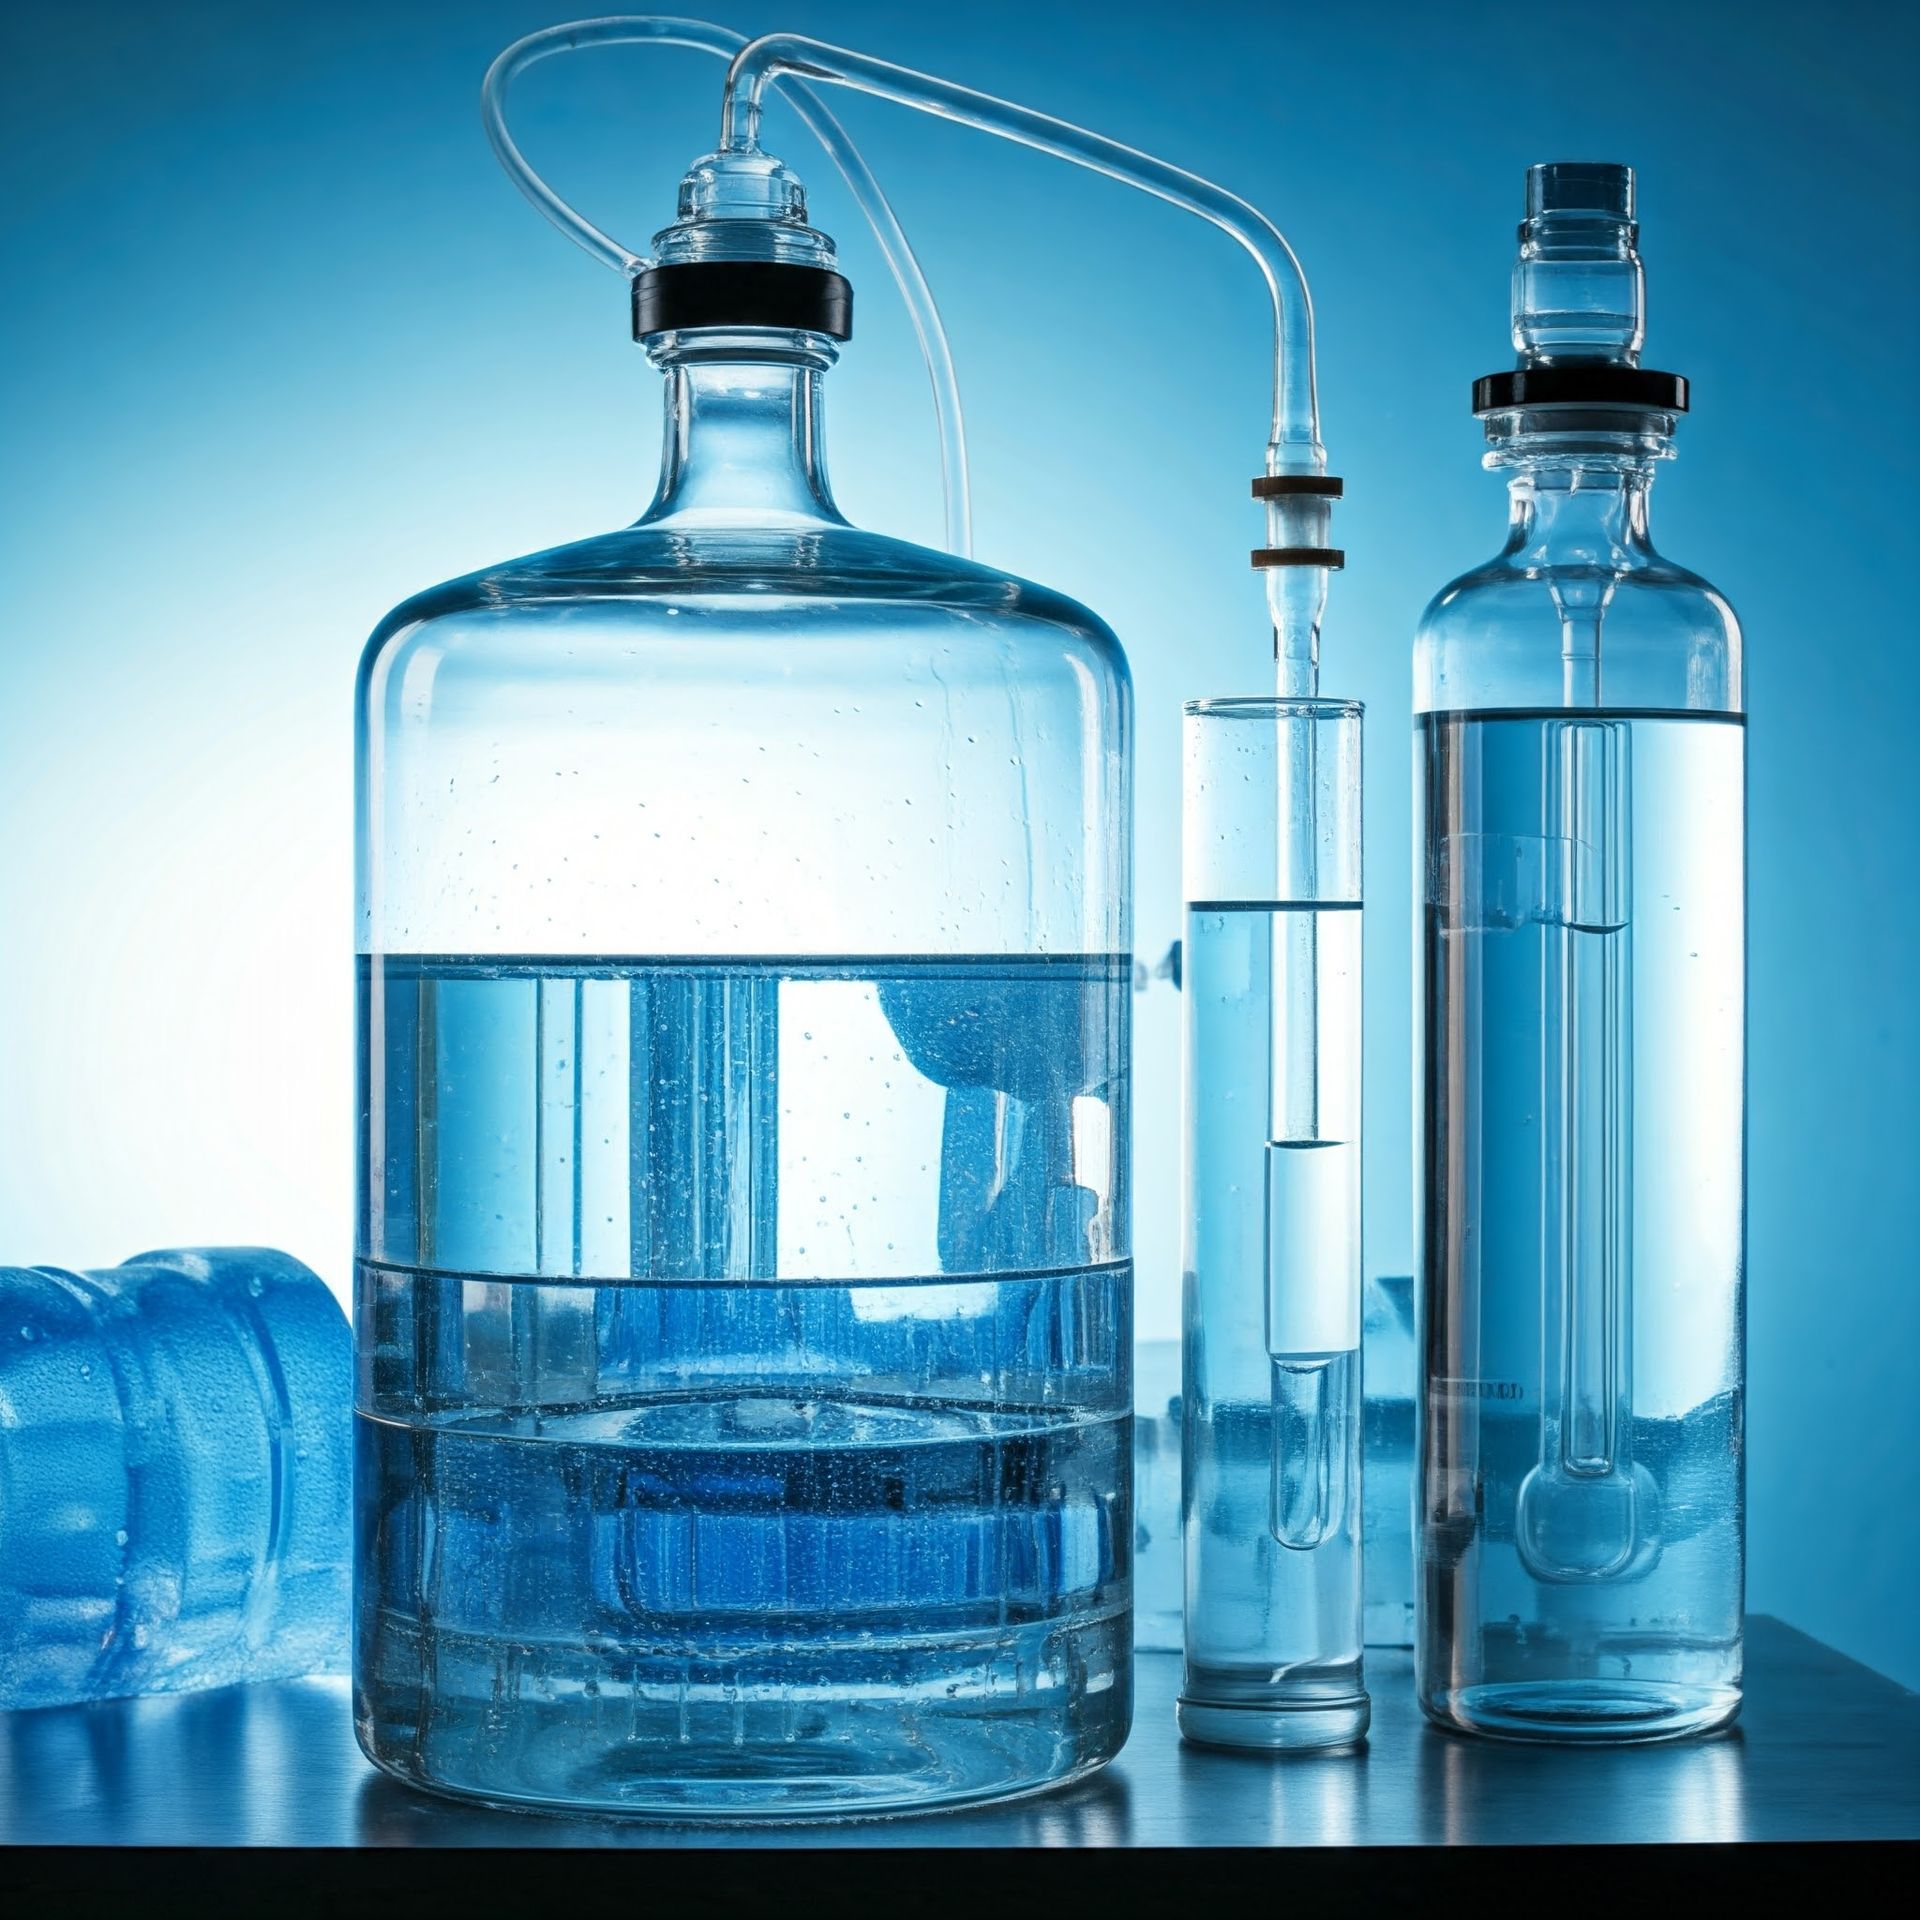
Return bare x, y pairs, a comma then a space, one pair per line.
1296, 595
673, 31
1296, 414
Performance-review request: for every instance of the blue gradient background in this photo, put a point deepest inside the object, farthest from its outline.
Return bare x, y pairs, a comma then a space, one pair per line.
281, 346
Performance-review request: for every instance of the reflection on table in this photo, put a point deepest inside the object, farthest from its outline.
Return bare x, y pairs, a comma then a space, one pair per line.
1826, 1750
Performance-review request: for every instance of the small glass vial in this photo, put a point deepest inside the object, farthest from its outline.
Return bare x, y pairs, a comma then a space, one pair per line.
1271, 1490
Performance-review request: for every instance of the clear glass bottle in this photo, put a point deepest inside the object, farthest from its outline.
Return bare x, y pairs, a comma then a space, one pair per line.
744, 1291
1580, 752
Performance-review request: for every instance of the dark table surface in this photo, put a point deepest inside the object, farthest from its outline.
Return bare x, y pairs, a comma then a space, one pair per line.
1825, 1749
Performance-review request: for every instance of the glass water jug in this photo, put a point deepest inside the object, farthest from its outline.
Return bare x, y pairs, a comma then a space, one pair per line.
744, 1312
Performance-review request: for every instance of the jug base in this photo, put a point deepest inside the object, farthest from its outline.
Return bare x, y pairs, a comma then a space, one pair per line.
753, 1808
1584, 1712
660, 1751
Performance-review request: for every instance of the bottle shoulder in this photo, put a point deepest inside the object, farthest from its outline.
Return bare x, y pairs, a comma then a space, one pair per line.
1517, 589
1515, 632
644, 577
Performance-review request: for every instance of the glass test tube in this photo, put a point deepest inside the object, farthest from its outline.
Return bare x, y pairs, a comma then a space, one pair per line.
1270, 1492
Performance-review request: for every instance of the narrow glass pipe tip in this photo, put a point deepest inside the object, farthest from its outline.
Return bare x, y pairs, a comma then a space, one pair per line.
1580, 186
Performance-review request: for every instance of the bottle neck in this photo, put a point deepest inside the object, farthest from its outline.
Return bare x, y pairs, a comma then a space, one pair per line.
743, 446
1570, 510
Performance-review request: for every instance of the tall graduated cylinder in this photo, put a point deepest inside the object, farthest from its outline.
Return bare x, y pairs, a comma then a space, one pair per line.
1580, 756
1271, 1501
745, 1301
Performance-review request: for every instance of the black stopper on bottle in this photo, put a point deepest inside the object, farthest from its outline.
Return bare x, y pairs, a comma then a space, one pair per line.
1581, 384
1278, 486
742, 293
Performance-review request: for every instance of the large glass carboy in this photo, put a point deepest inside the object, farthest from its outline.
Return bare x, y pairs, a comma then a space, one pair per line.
1580, 754
744, 1314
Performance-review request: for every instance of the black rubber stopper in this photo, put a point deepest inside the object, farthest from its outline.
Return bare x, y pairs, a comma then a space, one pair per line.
1598, 385
1277, 486
742, 293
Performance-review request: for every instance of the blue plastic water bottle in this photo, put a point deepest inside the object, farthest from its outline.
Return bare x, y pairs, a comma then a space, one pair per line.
174, 1475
